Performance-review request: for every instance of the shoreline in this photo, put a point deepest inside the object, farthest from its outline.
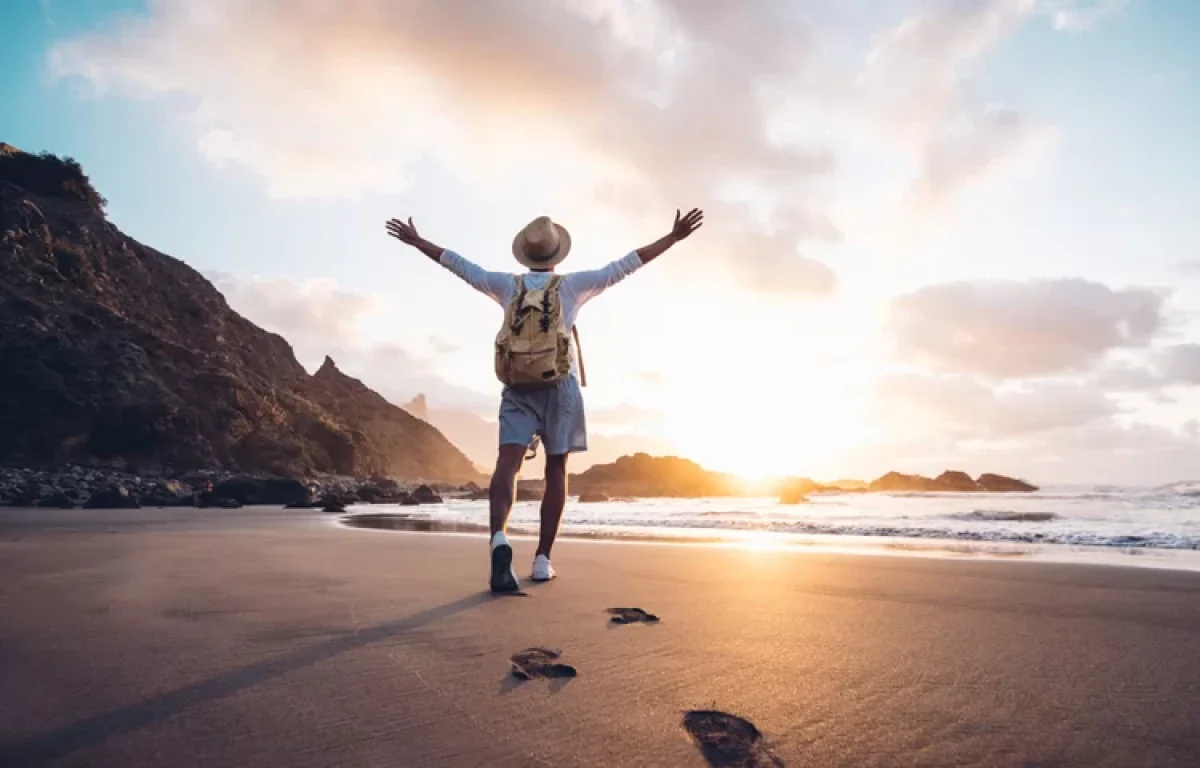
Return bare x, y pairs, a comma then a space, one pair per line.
264, 637
899, 547
1179, 560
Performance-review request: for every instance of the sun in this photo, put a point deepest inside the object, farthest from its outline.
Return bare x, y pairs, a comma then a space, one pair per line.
761, 404
784, 430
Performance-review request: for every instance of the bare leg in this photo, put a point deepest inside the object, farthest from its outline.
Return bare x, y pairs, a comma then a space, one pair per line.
553, 501
503, 489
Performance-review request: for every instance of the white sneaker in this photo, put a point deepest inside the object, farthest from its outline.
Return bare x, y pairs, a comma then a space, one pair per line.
542, 570
504, 578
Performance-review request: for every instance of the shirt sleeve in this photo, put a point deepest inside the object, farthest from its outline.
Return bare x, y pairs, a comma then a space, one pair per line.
590, 284
497, 285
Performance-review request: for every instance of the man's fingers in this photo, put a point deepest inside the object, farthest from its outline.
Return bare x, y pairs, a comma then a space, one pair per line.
402, 230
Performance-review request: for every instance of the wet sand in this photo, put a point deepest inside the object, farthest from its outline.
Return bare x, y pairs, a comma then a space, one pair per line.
273, 638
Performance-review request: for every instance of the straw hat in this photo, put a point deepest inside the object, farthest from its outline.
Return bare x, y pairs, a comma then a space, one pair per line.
541, 244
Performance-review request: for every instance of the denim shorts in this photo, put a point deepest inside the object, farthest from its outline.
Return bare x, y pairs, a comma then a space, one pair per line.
555, 415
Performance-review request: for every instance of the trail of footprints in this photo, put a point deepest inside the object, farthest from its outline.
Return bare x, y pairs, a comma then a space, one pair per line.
724, 740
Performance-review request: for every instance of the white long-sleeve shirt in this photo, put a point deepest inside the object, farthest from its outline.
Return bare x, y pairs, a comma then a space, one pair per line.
576, 289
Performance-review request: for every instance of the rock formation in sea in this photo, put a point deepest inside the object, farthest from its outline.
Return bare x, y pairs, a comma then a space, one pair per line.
114, 354
950, 481
1001, 484
642, 475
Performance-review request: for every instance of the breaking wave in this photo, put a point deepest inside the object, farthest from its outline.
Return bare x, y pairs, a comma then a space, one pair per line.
1005, 515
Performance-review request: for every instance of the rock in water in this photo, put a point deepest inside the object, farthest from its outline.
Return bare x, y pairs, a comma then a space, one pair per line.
954, 481
426, 495
114, 351
793, 494
1001, 484
115, 497
896, 481
592, 497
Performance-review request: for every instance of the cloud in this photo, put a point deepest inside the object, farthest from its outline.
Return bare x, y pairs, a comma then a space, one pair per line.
966, 408
1077, 16
920, 77
1005, 329
1175, 365
319, 318
316, 310
641, 105
659, 103
1190, 267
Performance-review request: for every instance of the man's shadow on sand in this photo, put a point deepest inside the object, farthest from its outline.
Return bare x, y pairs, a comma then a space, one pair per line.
94, 730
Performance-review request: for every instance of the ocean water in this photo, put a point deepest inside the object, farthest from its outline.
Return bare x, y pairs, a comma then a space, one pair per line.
1157, 527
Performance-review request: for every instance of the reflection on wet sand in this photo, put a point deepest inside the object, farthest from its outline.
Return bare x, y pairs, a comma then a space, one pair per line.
403, 521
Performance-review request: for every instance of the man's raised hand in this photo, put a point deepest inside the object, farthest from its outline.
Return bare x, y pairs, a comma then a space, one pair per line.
404, 231
683, 226
687, 224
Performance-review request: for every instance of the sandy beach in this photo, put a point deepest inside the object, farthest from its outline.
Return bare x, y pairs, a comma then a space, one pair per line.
264, 637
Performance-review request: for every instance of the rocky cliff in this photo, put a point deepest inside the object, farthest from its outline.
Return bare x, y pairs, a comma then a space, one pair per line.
112, 353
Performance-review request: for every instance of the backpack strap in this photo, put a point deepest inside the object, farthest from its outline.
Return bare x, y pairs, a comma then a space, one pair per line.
551, 288
518, 317
555, 282
579, 356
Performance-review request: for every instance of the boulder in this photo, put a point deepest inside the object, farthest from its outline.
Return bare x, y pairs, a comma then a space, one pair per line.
593, 497
385, 483
1001, 484
426, 495
523, 494
30, 494
167, 493
955, 482
407, 499
271, 491
228, 504
373, 494
332, 503
114, 497
57, 500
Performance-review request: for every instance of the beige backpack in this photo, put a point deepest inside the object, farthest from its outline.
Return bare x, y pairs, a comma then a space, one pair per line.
532, 351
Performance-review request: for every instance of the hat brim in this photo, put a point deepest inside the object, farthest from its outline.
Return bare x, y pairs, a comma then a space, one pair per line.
564, 247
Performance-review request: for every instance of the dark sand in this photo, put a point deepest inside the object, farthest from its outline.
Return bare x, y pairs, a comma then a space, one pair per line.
271, 638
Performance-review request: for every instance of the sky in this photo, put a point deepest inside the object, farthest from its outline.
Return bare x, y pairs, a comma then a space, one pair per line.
939, 233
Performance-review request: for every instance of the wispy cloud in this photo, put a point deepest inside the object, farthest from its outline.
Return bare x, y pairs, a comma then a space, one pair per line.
1005, 329
1074, 15
638, 105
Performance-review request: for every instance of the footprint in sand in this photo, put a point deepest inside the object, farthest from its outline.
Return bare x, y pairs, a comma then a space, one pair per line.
631, 616
728, 741
533, 663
